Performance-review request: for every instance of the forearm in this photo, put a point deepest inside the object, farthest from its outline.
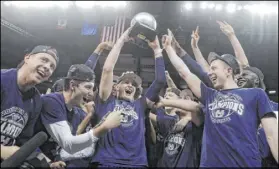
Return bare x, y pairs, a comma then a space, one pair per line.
200, 59
153, 118
159, 82
153, 133
186, 105
170, 82
87, 152
61, 133
196, 69
238, 50
92, 60
83, 124
113, 56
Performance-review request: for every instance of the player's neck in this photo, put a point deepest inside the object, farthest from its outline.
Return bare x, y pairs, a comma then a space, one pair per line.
230, 84
68, 99
22, 80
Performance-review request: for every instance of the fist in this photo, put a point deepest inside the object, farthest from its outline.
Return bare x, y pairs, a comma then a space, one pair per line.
106, 45
58, 165
90, 107
113, 120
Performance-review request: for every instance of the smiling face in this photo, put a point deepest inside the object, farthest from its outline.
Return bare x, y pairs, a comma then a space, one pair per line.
39, 67
126, 89
248, 79
82, 92
219, 73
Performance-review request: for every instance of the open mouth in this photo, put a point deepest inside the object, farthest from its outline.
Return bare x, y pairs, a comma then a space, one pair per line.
213, 79
128, 91
241, 82
41, 73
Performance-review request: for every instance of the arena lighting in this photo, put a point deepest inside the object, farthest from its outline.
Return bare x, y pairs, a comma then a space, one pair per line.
262, 9
188, 6
38, 4
204, 5
90, 4
231, 8
211, 6
272, 92
218, 7
239, 7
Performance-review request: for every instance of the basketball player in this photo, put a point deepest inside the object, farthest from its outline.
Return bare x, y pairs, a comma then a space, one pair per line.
60, 118
125, 146
230, 138
20, 100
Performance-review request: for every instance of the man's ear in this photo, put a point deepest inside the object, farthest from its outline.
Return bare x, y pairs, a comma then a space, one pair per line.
27, 58
72, 84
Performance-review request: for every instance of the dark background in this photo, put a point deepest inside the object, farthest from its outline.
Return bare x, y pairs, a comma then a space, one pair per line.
258, 36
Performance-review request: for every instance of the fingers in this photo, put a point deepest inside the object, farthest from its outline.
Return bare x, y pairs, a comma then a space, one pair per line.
169, 32
197, 30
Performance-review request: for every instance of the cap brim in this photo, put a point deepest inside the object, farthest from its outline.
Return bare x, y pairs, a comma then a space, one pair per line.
214, 56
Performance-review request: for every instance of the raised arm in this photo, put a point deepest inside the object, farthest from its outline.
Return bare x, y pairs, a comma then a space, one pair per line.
160, 78
170, 82
107, 74
94, 57
192, 80
238, 50
191, 63
197, 52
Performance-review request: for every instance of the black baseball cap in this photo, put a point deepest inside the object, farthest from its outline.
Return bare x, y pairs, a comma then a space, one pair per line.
259, 73
46, 49
80, 72
228, 59
130, 75
58, 86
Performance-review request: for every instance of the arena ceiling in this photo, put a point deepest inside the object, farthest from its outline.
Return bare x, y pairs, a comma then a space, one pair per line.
258, 36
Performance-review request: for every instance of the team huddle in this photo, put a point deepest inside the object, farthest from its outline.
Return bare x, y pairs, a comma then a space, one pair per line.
223, 118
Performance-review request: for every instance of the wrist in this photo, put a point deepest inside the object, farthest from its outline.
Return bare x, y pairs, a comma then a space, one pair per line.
98, 50
231, 35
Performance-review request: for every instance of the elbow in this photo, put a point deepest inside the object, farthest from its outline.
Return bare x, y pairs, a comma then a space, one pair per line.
67, 146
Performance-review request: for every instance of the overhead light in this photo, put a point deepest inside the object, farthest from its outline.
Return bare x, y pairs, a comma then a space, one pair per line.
188, 6
38, 4
85, 4
204, 5
210, 6
218, 7
272, 92
239, 8
231, 8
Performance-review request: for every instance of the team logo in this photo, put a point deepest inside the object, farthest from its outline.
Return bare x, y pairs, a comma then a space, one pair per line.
13, 121
159, 137
224, 106
174, 143
129, 114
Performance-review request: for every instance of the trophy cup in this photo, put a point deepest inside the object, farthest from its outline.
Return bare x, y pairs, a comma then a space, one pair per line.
144, 27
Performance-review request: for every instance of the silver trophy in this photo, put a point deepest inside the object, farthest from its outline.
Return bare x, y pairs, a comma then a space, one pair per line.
144, 27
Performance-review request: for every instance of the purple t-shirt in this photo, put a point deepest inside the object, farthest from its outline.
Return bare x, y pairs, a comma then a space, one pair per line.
180, 149
232, 118
55, 110
124, 145
19, 111
160, 131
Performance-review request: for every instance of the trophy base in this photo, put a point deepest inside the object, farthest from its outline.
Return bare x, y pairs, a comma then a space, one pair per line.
141, 31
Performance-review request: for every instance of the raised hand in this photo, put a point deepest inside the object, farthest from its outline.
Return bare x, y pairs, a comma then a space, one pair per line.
155, 45
113, 120
226, 28
167, 39
195, 38
90, 107
125, 36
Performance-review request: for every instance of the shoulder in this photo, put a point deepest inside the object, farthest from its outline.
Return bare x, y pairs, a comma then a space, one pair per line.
7, 75
52, 100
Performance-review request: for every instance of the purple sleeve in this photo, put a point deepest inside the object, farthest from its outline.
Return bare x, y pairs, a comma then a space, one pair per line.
159, 82
92, 61
206, 93
274, 105
164, 124
195, 68
263, 104
52, 111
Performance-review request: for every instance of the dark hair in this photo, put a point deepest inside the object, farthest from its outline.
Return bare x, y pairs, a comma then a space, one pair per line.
67, 83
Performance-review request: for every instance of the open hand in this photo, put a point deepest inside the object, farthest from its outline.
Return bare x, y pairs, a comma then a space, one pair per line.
125, 36
167, 39
155, 45
226, 28
195, 38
